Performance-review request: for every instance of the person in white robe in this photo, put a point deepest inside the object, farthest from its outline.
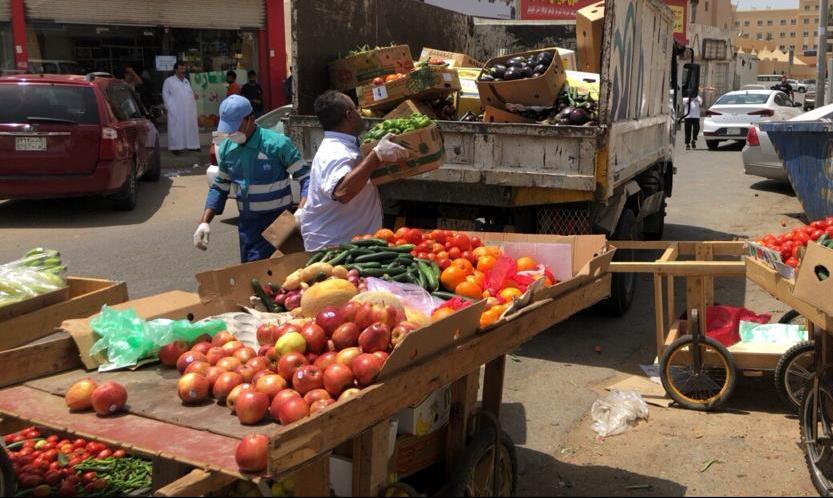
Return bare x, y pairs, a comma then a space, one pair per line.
181, 104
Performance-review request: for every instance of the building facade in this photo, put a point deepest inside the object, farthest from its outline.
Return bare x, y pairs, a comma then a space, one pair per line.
783, 29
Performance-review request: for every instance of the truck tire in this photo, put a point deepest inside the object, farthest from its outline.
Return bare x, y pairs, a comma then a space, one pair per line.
623, 286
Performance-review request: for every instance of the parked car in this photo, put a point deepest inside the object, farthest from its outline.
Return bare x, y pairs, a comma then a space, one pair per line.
730, 117
760, 157
810, 99
65, 136
272, 120
755, 86
798, 86
54, 66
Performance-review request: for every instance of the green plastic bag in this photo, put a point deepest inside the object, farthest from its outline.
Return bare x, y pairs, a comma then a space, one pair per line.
772, 333
129, 339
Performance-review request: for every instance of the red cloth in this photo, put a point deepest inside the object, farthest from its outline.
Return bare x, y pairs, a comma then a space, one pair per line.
723, 323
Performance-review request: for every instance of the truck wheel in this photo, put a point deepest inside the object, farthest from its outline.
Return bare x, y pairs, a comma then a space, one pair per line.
623, 286
654, 225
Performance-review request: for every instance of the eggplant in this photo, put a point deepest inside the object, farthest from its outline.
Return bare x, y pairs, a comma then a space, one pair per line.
515, 61
565, 112
579, 116
487, 77
498, 70
536, 75
527, 72
540, 68
545, 57
513, 74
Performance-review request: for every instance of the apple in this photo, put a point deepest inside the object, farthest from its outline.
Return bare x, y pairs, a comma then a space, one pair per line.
79, 395
225, 383
289, 363
320, 405
329, 319
315, 395
201, 347
280, 399
326, 359
267, 333
198, 367
386, 314
270, 385
366, 367
170, 353
349, 394
375, 338
346, 356
260, 374
398, 334
337, 378
248, 373
346, 336
292, 410
221, 338
229, 363
258, 363
187, 358
291, 342
232, 346
202, 338
307, 378
382, 355
251, 407
216, 354
251, 454
349, 311
272, 355
231, 399
315, 337
263, 349
192, 388
364, 316
245, 354
108, 398
213, 374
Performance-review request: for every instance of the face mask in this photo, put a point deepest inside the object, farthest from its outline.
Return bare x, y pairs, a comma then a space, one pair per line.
238, 137
218, 137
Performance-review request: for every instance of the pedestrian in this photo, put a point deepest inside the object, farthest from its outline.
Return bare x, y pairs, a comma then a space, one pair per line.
233, 86
256, 163
342, 202
253, 91
181, 104
691, 111
132, 78
784, 86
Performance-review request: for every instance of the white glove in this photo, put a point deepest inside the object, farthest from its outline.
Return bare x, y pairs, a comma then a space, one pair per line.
299, 213
389, 152
201, 236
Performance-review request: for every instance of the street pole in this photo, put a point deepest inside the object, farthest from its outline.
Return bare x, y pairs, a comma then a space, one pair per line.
821, 54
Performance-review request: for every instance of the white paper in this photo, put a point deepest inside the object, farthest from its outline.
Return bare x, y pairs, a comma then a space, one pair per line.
380, 93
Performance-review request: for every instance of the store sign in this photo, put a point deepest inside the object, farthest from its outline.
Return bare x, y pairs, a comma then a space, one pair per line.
493, 9
165, 62
210, 89
680, 10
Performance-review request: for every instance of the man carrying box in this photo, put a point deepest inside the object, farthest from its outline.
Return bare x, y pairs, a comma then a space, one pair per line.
342, 202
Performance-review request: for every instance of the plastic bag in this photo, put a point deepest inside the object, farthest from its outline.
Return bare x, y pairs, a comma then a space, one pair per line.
772, 333
723, 324
39, 272
618, 412
128, 339
412, 296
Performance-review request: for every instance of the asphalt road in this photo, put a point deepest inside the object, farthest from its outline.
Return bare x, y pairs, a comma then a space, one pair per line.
548, 381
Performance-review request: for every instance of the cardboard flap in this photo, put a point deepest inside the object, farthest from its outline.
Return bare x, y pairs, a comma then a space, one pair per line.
234, 283
814, 283
281, 230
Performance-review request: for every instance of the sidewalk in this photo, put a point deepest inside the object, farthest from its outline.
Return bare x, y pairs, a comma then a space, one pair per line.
187, 163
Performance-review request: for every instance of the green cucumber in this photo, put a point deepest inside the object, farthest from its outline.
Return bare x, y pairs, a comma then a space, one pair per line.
421, 280
373, 272
379, 256
339, 258
403, 248
395, 270
328, 255
267, 303
370, 242
425, 268
823, 240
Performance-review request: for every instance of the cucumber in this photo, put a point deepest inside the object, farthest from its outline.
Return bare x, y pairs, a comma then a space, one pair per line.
268, 303
403, 279
327, 256
823, 240
316, 257
379, 256
372, 264
373, 272
403, 248
370, 242
428, 274
421, 280
394, 270
340, 257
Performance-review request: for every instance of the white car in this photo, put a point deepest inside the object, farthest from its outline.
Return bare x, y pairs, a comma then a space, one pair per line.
730, 117
760, 157
797, 86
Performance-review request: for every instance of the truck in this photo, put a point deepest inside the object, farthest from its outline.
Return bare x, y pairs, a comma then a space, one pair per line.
613, 177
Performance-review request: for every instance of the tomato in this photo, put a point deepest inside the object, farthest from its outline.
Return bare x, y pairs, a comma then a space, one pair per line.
52, 477
29, 481
808, 229
438, 236
469, 256
462, 242
79, 443
443, 263
27, 450
786, 253
769, 239
803, 238
89, 477
816, 235
476, 242
67, 489
29, 444
50, 455
73, 478
829, 231
422, 255
792, 262
437, 248
442, 255
401, 242
378, 81
55, 467
454, 253
402, 232
414, 236
9, 438
65, 449
52, 439
432, 256
119, 454
100, 484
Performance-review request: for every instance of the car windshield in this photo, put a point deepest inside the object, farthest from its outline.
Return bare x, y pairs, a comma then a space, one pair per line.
743, 99
48, 103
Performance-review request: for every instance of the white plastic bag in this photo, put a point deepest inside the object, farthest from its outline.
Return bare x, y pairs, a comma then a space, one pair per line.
617, 412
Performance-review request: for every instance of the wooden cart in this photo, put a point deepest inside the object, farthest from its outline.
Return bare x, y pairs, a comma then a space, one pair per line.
193, 448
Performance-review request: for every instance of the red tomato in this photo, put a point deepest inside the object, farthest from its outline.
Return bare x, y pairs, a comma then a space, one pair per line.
99, 485
423, 255
786, 253
829, 231
432, 256
104, 454
414, 236
454, 253
438, 235
444, 263
53, 439
469, 256
89, 477
808, 229
401, 242
442, 255
30, 443
52, 477
437, 248
67, 489
29, 481
803, 238
476, 242
816, 235
769, 239
119, 454
447, 246
55, 466
27, 450
79, 443
423, 247
50, 455
73, 478
792, 262
402, 233
462, 242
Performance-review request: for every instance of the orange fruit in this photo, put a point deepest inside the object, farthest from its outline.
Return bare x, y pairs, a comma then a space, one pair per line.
509, 293
487, 318
486, 263
463, 264
477, 278
453, 276
441, 313
494, 251
527, 264
469, 289
481, 251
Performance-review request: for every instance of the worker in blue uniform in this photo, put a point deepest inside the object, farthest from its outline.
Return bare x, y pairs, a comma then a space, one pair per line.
255, 164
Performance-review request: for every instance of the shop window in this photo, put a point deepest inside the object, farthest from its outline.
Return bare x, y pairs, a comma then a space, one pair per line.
759, 36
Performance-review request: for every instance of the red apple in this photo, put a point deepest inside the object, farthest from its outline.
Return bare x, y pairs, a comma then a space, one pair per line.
366, 368
315, 337
108, 398
222, 338
331, 346
170, 353
364, 316
307, 378
263, 349
315, 395
202, 338
349, 311
398, 334
319, 405
231, 399
229, 363
346, 336
187, 358
337, 378
280, 399
199, 367
352, 392
192, 388
311, 358
251, 454
382, 355
375, 338
248, 373
267, 334
384, 314
272, 355
257, 363
346, 356
245, 354
289, 363
329, 319
232, 346
251, 407
285, 329
270, 385
225, 383
213, 374
79, 396
260, 374
215, 354
201, 347
326, 359
292, 410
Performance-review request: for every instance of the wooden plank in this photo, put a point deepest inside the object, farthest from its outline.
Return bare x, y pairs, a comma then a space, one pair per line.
493, 385
706, 253
29, 362
686, 248
672, 299
313, 479
166, 472
463, 404
695, 299
659, 311
196, 483
682, 268
293, 445
371, 459
417, 453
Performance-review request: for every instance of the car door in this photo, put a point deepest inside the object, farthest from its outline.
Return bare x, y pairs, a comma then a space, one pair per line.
784, 109
128, 121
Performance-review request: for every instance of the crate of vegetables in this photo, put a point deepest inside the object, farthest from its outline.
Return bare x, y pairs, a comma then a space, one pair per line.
533, 78
365, 63
417, 133
428, 82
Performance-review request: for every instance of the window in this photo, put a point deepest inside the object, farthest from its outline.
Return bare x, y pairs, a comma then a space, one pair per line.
782, 100
804, 48
783, 22
707, 6
73, 104
792, 34
760, 23
793, 22
769, 22
759, 36
746, 23
806, 20
743, 98
783, 35
122, 103
806, 34
737, 23
781, 48
806, 7
714, 49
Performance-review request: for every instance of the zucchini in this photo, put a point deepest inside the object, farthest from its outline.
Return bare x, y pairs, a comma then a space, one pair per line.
379, 256
316, 257
267, 303
370, 243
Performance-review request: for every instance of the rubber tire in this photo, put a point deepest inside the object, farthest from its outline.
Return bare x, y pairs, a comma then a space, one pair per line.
781, 372
730, 361
8, 481
657, 220
788, 317
126, 199
712, 144
155, 171
476, 449
623, 286
823, 488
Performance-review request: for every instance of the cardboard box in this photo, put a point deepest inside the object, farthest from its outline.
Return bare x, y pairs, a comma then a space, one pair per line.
589, 33
568, 59
341, 467
426, 83
409, 107
811, 285
541, 91
428, 416
468, 98
585, 83
495, 115
770, 258
33, 303
453, 59
427, 154
357, 70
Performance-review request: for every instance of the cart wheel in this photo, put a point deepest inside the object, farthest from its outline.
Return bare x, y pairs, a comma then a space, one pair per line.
400, 489
795, 368
698, 387
816, 435
793, 317
8, 483
474, 475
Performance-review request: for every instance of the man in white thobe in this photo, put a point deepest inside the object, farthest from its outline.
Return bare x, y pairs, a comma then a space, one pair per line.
181, 104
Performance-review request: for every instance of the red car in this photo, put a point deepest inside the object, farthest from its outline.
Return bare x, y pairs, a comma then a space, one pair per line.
69, 136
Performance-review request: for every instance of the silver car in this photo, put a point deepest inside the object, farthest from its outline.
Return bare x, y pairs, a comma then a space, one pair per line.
760, 157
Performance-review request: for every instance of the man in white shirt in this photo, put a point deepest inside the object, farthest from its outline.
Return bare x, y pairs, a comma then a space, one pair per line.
181, 105
341, 201
691, 111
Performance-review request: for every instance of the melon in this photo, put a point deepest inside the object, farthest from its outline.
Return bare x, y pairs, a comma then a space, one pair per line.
380, 297
335, 292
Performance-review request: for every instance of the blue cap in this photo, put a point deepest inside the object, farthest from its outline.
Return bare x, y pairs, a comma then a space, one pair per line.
233, 110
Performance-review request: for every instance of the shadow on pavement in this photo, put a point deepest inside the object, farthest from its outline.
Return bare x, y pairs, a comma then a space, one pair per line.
688, 232
726, 146
83, 212
774, 187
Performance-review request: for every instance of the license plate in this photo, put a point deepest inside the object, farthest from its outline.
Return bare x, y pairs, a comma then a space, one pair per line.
29, 144
733, 131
